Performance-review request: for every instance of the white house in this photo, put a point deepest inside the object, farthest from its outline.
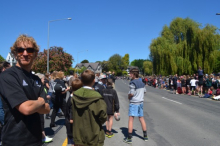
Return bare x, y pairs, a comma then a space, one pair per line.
11, 59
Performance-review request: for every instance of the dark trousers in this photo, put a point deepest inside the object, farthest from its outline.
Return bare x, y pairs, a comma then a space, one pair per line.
56, 105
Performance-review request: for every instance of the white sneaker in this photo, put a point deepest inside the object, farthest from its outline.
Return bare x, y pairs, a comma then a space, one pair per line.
47, 139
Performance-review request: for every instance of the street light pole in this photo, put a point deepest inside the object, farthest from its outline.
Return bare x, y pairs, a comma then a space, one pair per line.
217, 13
48, 39
77, 58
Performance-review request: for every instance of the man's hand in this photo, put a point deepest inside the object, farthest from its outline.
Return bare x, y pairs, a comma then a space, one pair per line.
48, 96
31, 106
130, 96
71, 121
41, 101
45, 109
67, 89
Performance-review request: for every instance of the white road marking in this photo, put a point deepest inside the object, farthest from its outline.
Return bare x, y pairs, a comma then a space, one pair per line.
171, 100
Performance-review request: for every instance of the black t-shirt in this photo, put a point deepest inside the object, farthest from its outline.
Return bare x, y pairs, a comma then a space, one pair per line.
183, 82
99, 88
174, 80
18, 86
188, 81
59, 95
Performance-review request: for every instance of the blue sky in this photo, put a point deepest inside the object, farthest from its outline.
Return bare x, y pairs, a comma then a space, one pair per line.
103, 27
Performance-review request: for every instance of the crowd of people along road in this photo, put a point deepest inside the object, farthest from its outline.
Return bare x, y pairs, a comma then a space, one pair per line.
199, 84
27, 98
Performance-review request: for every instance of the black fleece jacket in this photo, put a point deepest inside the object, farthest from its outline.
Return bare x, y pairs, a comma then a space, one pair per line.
111, 99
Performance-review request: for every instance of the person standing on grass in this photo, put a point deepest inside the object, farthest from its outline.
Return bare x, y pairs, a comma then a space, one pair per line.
136, 98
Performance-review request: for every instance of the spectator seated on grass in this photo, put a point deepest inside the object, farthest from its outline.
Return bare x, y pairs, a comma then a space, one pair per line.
217, 95
209, 94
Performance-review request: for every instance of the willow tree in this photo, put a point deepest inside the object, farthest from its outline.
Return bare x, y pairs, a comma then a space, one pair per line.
148, 67
184, 46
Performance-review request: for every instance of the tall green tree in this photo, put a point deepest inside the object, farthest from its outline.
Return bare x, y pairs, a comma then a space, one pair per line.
138, 63
1, 59
85, 61
115, 63
104, 64
58, 60
183, 46
125, 61
148, 67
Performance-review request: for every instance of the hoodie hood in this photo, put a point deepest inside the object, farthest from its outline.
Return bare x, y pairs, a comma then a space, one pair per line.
83, 97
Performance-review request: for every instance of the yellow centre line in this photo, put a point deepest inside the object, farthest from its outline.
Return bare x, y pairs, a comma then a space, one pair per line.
65, 142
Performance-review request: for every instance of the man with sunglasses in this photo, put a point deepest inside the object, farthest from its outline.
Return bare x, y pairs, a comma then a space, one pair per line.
23, 97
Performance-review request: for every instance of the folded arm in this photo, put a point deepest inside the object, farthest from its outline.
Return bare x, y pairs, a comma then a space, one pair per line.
32, 106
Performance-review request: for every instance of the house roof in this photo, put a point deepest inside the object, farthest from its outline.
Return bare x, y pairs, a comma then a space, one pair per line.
129, 67
92, 65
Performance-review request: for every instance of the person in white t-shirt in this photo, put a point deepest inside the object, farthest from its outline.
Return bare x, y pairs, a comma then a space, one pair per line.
193, 85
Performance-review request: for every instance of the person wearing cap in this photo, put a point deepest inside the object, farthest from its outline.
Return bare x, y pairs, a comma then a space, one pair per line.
98, 87
103, 80
136, 98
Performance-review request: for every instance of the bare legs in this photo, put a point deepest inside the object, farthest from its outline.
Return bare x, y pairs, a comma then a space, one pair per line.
109, 123
130, 124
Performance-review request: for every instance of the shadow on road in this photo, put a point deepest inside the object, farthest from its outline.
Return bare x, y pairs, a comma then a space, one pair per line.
124, 131
104, 127
49, 131
60, 123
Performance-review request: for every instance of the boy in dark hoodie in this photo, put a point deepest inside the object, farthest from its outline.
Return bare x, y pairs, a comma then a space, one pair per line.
89, 113
112, 102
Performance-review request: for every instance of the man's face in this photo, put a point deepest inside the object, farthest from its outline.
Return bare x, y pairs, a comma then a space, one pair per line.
25, 53
42, 80
104, 81
132, 75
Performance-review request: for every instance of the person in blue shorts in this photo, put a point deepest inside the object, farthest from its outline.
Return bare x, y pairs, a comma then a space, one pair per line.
136, 97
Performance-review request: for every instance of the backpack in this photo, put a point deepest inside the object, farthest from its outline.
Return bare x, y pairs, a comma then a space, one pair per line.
179, 90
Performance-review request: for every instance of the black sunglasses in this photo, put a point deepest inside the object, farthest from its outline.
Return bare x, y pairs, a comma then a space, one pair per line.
29, 50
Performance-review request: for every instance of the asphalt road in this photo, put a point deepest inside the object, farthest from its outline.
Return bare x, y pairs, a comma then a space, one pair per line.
172, 120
